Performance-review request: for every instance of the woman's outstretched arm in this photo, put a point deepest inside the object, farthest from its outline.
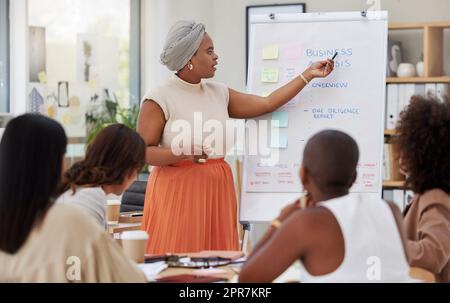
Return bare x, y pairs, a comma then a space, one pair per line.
242, 106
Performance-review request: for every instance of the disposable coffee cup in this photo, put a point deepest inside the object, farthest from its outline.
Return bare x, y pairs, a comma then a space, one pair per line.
113, 211
133, 244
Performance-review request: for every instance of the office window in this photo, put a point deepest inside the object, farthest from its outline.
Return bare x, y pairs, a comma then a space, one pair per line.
83, 57
4, 56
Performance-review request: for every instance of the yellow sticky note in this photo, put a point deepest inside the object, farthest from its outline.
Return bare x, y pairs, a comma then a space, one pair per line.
270, 52
269, 75
42, 76
52, 111
92, 84
65, 119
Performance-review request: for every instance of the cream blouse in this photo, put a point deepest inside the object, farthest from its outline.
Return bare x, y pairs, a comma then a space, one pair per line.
199, 111
68, 246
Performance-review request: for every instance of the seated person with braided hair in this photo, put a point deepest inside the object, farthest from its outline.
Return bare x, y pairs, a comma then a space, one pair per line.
112, 163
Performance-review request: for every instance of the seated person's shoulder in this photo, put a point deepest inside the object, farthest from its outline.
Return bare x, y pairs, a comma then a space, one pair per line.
70, 218
80, 195
313, 218
314, 226
434, 198
61, 230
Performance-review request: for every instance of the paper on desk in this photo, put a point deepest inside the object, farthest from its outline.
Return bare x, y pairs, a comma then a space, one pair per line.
210, 271
240, 260
151, 270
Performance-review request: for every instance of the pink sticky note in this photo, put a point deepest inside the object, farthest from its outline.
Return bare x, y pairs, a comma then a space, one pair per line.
292, 51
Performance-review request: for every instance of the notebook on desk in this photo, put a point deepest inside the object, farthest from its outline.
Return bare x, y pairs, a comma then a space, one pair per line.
186, 278
207, 255
131, 217
224, 254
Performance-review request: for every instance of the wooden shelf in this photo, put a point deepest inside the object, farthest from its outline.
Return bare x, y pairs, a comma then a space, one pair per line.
433, 59
390, 132
444, 79
393, 183
419, 25
403, 26
433, 50
76, 140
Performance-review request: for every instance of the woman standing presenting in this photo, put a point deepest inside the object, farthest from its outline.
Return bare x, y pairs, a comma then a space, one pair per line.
190, 203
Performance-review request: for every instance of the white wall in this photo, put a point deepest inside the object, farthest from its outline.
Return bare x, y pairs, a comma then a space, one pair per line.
225, 21
18, 56
230, 40
158, 16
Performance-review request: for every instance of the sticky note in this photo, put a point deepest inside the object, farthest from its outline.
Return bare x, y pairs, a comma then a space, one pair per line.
269, 75
42, 76
282, 118
292, 52
92, 84
280, 142
270, 52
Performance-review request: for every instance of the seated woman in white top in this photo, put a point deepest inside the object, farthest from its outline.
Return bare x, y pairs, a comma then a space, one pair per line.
337, 236
41, 241
113, 161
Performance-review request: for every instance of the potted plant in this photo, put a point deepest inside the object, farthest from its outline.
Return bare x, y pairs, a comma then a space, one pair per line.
100, 114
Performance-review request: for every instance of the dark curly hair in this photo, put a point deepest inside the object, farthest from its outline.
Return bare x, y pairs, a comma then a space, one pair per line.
114, 153
424, 143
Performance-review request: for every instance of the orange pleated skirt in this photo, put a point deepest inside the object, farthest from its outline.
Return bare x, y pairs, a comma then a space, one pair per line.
191, 207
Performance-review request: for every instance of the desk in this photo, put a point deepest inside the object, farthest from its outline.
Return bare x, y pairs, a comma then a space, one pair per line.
121, 227
229, 273
422, 275
126, 223
291, 275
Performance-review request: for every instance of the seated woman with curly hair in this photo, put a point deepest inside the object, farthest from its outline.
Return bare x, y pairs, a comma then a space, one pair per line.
424, 143
113, 161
